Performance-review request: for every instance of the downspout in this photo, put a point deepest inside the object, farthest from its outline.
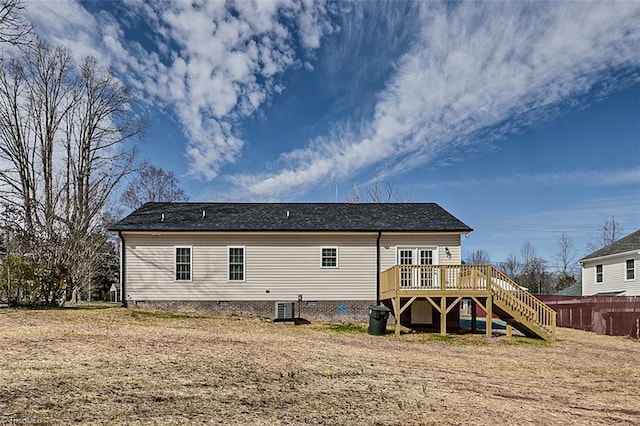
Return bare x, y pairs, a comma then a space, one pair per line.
123, 271
378, 268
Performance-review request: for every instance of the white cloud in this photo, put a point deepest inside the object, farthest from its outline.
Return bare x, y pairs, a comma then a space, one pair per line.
473, 66
67, 23
211, 62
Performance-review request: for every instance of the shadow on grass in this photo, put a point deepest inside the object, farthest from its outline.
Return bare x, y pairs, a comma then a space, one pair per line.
85, 306
91, 306
141, 314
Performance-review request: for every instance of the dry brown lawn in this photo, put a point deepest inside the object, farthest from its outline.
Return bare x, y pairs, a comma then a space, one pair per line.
117, 366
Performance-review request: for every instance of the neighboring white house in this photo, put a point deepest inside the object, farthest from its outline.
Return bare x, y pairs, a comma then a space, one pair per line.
244, 258
613, 270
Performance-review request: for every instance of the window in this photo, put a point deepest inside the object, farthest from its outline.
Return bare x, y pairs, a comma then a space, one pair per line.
598, 273
236, 263
329, 257
631, 270
183, 263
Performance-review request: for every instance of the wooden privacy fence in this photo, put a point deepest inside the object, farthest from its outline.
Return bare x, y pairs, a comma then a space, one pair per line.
612, 315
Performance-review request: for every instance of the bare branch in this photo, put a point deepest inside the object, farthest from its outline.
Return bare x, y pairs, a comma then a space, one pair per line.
378, 194
152, 184
14, 28
609, 233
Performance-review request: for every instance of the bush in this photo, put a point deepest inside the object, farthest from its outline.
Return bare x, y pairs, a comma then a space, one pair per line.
25, 282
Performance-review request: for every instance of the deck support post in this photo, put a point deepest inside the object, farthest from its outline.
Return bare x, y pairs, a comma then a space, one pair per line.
443, 316
474, 316
396, 313
509, 330
489, 317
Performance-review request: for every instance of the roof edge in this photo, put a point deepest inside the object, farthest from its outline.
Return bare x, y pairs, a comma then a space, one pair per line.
607, 256
313, 231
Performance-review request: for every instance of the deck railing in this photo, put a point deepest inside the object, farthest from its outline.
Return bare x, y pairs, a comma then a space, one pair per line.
473, 278
435, 277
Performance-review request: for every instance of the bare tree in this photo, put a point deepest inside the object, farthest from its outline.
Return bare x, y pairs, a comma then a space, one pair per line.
96, 130
566, 254
510, 266
378, 193
62, 133
533, 274
478, 257
152, 184
609, 233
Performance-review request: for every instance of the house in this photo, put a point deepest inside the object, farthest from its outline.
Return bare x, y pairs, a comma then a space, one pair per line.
319, 261
613, 270
245, 257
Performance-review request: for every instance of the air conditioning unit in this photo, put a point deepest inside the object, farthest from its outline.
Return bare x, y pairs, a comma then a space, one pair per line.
284, 310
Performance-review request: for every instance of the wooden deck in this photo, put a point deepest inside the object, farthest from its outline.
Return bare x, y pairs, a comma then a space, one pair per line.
444, 286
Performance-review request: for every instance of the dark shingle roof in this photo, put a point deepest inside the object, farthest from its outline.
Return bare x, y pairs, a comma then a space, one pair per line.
629, 243
314, 217
573, 290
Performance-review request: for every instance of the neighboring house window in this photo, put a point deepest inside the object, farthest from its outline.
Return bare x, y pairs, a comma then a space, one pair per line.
598, 273
183, 263
236, 263
631, 270
329, 257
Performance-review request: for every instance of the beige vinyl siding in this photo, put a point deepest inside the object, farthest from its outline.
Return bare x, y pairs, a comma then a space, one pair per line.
285, 265
390, 243
614, 275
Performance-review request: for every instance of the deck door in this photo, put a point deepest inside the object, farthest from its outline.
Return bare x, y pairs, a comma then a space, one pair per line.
417, 277
405, 257
427, 276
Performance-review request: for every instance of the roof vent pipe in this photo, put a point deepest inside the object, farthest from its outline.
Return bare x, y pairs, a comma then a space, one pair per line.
287, 213
162, 217
204, 214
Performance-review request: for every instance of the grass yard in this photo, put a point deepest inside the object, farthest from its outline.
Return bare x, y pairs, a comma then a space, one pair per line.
116, 366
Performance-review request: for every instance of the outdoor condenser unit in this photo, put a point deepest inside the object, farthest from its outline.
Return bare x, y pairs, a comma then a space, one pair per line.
285, 310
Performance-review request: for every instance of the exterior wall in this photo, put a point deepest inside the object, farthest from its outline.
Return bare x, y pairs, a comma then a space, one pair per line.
278, 266
389, 244
614, 275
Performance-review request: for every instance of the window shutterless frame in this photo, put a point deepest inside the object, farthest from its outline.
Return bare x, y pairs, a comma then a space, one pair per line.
630, 270
599, 274
329, 257
236, 263
183, 262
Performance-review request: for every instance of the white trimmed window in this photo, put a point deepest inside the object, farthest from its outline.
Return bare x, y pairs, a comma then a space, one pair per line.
599, 274
329, 257
630, 270
183, 263
236, 263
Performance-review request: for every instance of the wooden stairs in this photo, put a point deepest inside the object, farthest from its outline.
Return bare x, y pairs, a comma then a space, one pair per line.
522, 310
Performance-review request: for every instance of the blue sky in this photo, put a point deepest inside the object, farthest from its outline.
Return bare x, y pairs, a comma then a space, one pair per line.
521, 118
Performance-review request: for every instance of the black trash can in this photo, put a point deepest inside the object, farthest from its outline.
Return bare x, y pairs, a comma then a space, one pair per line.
378, 316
